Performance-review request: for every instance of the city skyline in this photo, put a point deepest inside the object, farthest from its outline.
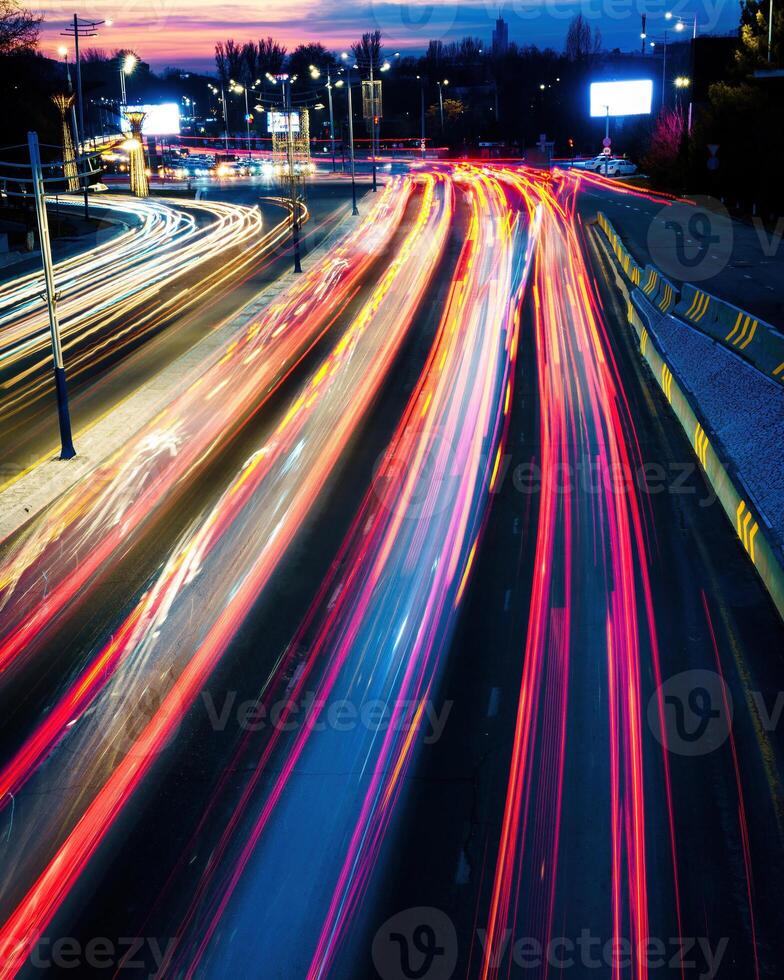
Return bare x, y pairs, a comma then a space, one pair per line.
147, 27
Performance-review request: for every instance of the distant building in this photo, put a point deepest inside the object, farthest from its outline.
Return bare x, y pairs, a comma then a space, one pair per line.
500, 37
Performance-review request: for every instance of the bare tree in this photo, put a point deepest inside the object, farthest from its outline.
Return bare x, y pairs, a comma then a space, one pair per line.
18, 27
229, 60
271, 56
582, 42
367, 50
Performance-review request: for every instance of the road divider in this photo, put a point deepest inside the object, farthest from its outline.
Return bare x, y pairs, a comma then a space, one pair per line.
753, 339
645, 304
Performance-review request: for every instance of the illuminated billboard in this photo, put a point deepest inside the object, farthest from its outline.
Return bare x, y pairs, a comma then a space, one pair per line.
632, 98
278, 122
161, 120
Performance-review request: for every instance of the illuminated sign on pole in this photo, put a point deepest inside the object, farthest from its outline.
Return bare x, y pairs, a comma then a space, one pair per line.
159, 120
278, 122
631, 98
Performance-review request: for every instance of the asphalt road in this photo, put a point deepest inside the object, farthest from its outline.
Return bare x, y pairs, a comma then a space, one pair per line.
103, 381
743, 265
515, 819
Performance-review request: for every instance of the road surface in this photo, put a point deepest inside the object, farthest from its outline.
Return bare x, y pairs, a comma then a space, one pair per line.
376, 687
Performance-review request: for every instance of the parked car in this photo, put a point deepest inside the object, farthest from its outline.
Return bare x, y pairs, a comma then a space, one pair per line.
619, 168
595, 163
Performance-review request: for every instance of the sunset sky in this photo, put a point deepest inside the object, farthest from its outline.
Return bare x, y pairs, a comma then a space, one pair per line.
184, 32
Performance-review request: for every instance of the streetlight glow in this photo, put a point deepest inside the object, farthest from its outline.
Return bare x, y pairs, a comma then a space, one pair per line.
130, 61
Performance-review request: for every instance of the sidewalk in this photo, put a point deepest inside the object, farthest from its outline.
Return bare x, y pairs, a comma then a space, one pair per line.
37, 488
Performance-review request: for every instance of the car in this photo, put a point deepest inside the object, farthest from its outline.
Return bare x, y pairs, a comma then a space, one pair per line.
595, 163
619, 168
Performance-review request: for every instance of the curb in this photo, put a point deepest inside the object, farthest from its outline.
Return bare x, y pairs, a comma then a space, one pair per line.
751, 526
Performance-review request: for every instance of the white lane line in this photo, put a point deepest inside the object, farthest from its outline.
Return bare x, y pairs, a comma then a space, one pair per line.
493, 702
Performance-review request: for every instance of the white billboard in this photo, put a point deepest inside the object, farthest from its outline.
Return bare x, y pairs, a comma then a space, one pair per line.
630, 98
160, 120
278, 122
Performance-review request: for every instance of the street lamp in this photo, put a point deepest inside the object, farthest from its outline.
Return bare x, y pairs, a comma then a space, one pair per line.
315, 74
127, 65
422, 113
242, 90
441, 100
354, 209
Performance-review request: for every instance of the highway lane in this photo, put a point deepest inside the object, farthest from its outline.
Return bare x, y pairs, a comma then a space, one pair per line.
283, 469
172, 298
744, 263
710, 613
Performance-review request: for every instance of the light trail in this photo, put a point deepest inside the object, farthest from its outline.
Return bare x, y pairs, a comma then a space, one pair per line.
386, 614
164, 645
110, 296
583, 416
53, 563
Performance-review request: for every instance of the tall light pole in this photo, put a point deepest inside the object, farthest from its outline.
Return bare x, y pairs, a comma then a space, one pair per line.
67, 450
770, 32
421, 115
331, 118
680, 25
81, 28
240, 90
127, 65
441, 101
354, 209
292, 185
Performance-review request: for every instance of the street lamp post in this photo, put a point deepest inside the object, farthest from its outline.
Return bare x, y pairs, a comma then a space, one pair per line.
292, 184
354, 209
331, 119
770, 32
421, 115
81, 28
441, 101
127, 66
67, 450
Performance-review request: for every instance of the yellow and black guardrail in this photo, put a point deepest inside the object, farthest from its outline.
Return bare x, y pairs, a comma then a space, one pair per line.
753, 530
751, 338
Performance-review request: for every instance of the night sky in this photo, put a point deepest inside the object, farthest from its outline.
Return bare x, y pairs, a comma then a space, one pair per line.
184, 32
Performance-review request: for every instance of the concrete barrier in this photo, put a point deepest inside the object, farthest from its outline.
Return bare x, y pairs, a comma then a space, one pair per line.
749, 337
753, 530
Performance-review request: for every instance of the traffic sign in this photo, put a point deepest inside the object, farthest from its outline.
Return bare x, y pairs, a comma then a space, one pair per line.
607, 151
606, 141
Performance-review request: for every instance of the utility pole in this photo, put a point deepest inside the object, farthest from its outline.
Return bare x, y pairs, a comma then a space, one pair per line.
225, 120
331, 118
373, 123
354, 209
81, 28
422, 115
770, 32
292, 183
67, 450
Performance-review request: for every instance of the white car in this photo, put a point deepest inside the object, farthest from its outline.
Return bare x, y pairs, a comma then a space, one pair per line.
619, 168
594, 164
